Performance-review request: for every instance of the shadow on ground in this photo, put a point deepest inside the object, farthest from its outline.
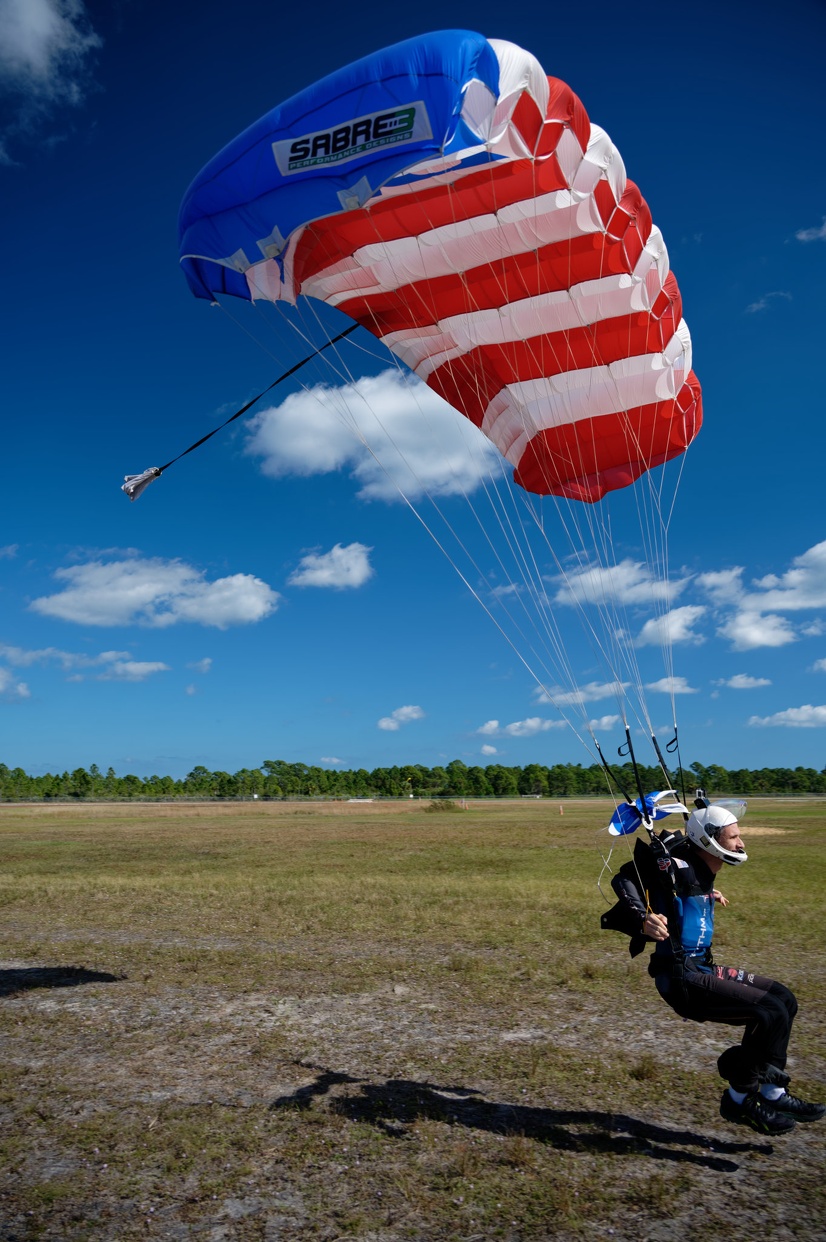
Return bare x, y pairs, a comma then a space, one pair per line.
394, 1104
24, 979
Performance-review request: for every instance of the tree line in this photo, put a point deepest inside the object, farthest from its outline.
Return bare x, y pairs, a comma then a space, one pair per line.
276, 778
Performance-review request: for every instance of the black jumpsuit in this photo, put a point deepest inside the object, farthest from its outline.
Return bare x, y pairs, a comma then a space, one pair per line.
693, 985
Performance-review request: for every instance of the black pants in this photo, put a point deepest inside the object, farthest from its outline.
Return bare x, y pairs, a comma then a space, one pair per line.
736, 998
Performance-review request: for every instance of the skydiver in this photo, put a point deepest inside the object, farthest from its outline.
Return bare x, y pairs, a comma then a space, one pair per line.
680, 921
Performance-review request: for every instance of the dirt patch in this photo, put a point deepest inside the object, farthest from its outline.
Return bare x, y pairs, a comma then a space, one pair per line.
401, 1101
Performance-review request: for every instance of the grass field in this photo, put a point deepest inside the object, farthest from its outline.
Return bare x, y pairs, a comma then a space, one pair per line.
370, 1021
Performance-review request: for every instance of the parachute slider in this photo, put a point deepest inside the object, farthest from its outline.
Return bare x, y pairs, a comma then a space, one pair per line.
135, 484
630, 815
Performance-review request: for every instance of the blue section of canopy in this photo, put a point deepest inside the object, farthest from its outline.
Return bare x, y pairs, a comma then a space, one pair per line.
243, 206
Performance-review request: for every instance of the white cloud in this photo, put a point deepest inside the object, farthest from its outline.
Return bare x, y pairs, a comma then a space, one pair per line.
629, 582
487, 749
490, 728
132, 670
818, 233
532, 726
11, 689
604, 723
9, 551
676, 626
670, 685
22, 658
190, 690
742, 681
340, 567
331, 759
201, 666
755, 621
725, 586
806, 717
419, 443
115, 665
402, 715
748, 630
802, 586
45, 47
762, 303
819, 666
591, 692
155, 592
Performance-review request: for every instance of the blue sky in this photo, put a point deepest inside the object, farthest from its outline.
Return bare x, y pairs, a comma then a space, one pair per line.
265, 599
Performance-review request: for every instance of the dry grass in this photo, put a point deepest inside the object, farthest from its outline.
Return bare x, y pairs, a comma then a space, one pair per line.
367, 1021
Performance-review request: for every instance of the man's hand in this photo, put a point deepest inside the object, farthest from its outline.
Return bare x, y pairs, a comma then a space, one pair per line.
655, 926
718, 896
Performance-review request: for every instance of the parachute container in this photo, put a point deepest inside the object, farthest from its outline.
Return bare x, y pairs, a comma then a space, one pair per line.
458, 203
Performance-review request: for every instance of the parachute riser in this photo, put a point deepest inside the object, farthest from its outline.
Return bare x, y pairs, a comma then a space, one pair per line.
628, 750
612, 778
669, 747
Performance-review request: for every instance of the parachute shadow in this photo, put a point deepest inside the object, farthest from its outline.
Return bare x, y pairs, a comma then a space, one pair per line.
25, 979
392, 1105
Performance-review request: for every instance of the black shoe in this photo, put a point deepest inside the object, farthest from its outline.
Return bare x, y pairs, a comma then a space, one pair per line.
757, 1113
800, 1110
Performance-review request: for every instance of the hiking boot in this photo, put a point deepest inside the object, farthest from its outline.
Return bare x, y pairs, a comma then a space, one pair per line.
757, 1113
800, 1110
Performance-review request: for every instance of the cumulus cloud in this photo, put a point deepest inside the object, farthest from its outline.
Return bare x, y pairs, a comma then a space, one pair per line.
487, 749
670, 685
532, 726
519, 728
111, 665
331, 759
748, 630
10, 689
802, 586
591, 692
806, 717
750, 614
676, 626
157, 593
341, 567
45, 50
604, 723
742, 681
763, 303
819, 666
132, 670
201, 666
401, 716
629, 582
725, 586
818, 233
417, 443
22, 657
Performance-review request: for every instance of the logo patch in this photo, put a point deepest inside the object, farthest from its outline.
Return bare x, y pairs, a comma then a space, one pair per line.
352, 139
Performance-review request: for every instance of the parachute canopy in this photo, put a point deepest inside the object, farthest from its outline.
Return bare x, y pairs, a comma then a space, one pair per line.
458, 203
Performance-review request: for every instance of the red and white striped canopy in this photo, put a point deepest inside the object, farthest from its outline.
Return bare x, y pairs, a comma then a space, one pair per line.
532, 292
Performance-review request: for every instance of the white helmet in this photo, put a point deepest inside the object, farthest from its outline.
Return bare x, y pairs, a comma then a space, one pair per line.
703, 828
